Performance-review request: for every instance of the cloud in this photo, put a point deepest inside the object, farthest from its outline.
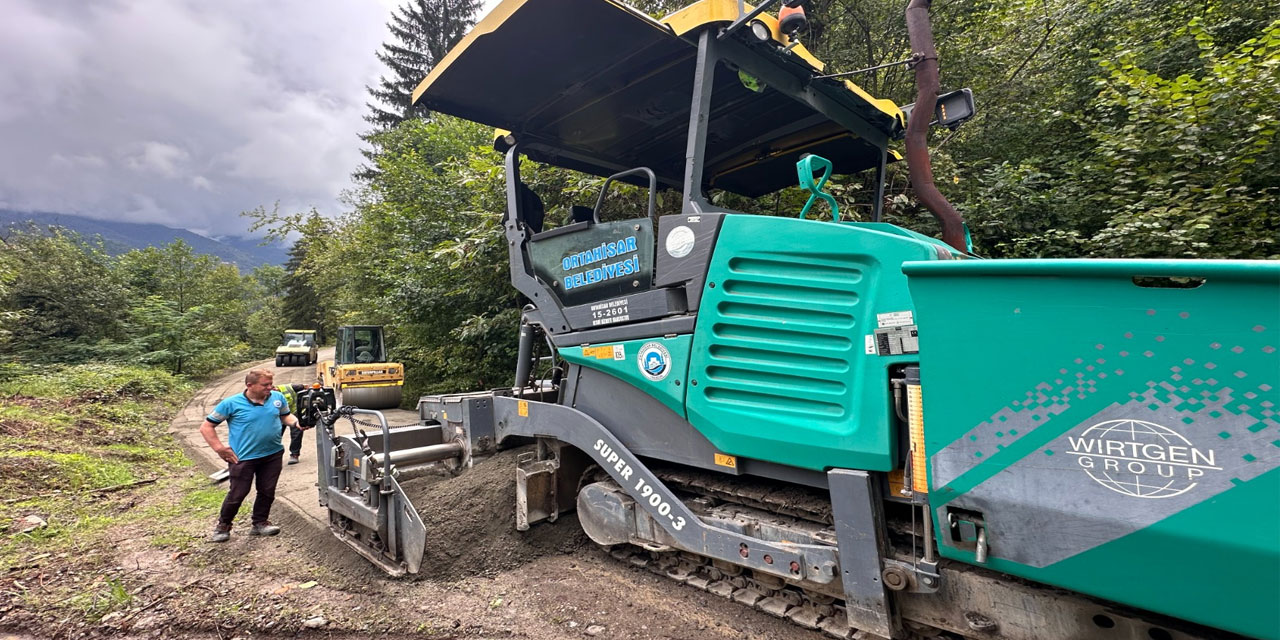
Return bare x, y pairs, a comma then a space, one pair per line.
89, 161
184, 112
158, 157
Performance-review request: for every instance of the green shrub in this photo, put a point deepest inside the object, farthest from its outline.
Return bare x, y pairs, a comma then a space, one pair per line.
94, 382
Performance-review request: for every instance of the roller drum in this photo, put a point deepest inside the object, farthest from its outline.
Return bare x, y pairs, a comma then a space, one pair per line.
387, 397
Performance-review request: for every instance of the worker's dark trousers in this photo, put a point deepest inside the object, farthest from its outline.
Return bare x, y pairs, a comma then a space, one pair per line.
266, 470
295, 441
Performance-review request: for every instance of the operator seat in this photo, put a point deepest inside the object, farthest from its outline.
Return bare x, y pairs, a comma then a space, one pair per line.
579, 213
535, 212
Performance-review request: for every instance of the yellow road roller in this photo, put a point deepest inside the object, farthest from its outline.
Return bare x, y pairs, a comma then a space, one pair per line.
359, 374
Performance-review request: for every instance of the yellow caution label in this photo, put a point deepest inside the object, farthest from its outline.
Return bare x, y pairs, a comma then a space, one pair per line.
606, 352
355, 462
522, 408
897, 481
727, 461
444, 415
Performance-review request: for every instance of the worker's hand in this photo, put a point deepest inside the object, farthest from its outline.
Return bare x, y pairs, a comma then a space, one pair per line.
227, 454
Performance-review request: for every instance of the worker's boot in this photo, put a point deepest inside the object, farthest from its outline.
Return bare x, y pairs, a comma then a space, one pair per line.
221, 533
264, 529
293, 459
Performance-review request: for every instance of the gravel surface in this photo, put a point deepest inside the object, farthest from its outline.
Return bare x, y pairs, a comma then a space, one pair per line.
482, 578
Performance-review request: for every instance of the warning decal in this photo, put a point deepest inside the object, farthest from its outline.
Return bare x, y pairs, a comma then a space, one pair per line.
606, 352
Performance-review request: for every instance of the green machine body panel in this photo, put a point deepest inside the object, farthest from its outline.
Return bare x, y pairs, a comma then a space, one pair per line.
786, 362
1110, 427
655, 366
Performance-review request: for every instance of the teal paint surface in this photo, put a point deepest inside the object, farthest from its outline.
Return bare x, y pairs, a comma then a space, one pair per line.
778, 369
1119, 440
1242, 585
670, 391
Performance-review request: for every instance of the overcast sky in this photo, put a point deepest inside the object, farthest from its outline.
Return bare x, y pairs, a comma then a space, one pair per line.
184, 112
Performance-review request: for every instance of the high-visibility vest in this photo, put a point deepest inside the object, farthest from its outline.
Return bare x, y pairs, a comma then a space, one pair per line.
290, 396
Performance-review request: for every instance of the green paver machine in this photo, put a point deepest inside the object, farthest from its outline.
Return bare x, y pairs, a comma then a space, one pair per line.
847, 424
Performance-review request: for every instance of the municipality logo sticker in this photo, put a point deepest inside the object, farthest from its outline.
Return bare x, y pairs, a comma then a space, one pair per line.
654, 361
680, 242
1141, 459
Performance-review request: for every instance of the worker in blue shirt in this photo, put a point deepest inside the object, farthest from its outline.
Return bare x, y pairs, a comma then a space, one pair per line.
254, 420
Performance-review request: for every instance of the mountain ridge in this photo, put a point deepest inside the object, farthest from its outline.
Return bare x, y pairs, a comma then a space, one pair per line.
121, 237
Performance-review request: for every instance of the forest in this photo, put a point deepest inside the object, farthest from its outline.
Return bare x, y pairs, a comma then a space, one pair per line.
1108, 128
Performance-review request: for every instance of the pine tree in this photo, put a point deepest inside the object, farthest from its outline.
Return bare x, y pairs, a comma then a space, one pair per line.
423, 31
303, 306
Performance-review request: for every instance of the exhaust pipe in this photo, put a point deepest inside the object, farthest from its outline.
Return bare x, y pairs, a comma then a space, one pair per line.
920, 33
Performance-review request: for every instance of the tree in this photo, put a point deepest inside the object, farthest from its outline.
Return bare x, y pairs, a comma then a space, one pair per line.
1039, 171
658, 9
63, 299
1190, 162
267, 321
423, 32
307, 300
168, 337
9, 318
190, 312
174, 272
1153, 139
304, 306
65, 291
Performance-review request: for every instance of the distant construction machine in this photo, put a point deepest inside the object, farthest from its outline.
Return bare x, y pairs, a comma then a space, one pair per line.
848, 424
359, 375
297, 347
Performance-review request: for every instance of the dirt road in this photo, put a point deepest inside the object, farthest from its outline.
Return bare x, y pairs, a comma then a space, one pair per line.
297, 486
537, 592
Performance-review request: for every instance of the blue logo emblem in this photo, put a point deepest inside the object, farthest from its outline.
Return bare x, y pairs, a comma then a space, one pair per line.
654, 361
654, 365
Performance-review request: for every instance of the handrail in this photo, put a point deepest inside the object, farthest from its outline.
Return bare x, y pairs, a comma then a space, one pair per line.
386, 437
653, 191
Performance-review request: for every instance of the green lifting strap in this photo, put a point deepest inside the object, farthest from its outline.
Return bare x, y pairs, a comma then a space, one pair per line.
805, 168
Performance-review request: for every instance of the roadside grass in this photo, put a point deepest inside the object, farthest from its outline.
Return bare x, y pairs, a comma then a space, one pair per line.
67, 433
104, 521
39, 470
93, 382
106, 597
